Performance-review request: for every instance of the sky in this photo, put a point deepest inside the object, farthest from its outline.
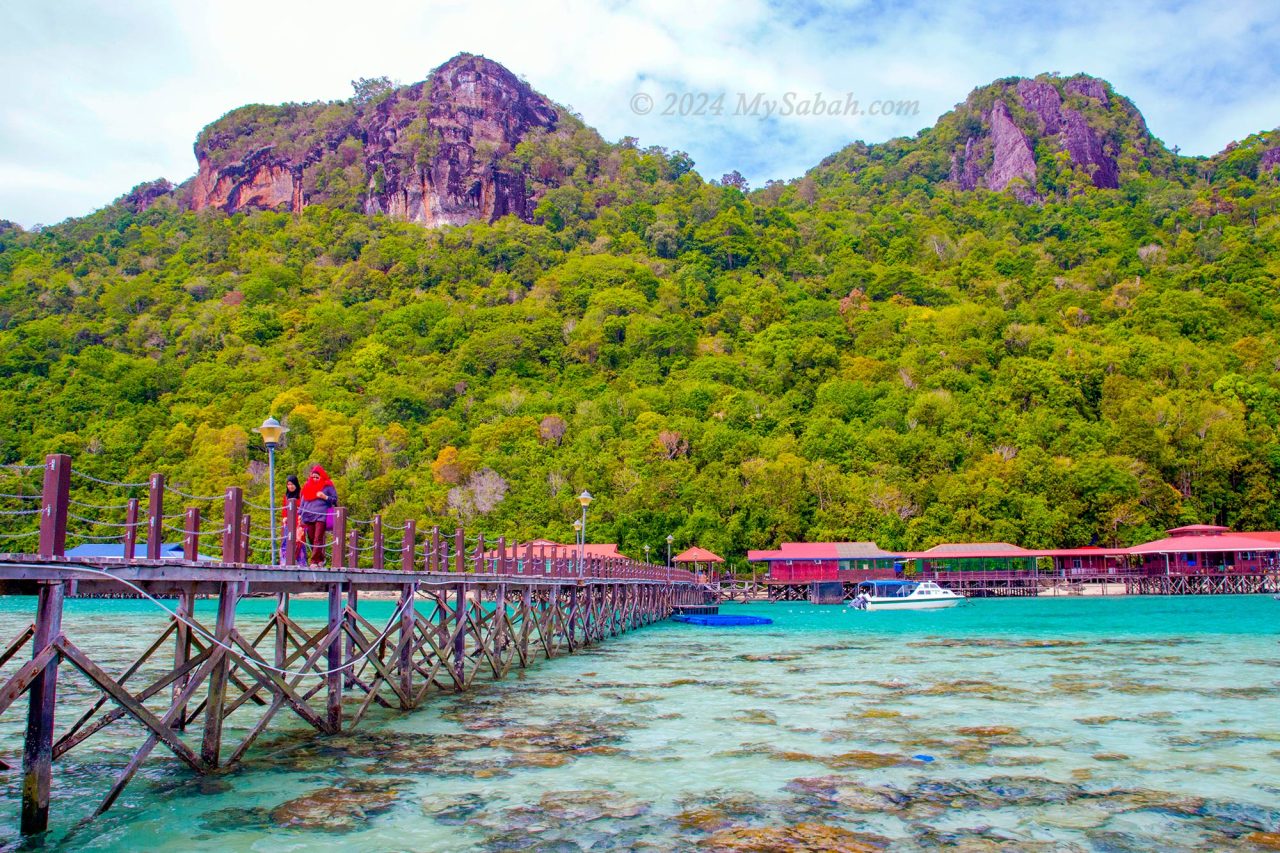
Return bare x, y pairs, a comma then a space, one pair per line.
100, 96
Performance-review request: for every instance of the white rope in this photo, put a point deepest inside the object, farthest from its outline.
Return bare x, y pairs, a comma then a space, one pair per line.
116, 507
93, 479
175, 490
81, 567
100, 523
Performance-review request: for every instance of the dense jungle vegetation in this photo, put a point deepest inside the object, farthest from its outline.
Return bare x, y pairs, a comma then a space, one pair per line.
867, 352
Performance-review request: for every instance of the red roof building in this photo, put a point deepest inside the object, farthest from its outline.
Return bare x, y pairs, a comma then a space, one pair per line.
1191, 549
802, 562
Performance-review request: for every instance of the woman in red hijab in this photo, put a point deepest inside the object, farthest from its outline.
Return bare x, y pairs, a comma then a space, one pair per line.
318, 495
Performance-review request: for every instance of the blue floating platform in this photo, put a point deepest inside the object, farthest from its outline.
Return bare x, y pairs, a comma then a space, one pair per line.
722, 619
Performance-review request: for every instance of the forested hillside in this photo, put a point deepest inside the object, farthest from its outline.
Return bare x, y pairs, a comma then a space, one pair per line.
868, 352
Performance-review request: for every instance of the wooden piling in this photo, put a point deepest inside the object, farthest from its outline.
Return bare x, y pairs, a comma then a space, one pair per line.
182, 651
37, 748
333, 705
228, 595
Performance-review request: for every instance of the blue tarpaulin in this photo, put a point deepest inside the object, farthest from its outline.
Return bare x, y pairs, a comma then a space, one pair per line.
723, 619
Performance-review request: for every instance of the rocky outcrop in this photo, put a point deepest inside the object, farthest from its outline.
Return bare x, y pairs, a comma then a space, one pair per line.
1269, 160
434, 152
1055, 111
145, 195
1013, 157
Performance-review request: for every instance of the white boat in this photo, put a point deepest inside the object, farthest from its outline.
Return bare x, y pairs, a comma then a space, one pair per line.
904, 595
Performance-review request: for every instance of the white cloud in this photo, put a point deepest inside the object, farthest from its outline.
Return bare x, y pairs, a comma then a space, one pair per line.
102, 95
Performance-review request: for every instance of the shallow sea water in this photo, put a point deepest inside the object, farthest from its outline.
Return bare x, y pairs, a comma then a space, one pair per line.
1061, 724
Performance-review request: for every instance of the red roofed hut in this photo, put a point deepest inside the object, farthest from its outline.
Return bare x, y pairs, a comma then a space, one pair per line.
698, 556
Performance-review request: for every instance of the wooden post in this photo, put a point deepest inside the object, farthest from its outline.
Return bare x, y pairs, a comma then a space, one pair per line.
282, 610
334, 678
339, 536
131, 529
353, 605
353, 548
410, 545
232, 512
378, 559
182, 651
478, 565
290, 532
53, 506
460, 549
211, 748
37, 748
460, 635
246, 547
155, 517
500, 565
191, 538
434, 563
404, 648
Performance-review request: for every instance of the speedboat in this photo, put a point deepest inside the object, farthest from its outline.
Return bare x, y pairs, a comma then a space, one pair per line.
904, 595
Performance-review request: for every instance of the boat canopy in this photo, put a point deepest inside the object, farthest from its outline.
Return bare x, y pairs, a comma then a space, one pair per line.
883, 587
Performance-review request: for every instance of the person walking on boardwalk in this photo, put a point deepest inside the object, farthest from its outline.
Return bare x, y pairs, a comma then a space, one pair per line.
318, 495
292, 492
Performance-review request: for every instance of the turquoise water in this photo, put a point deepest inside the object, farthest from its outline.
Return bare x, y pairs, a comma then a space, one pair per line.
1057, 724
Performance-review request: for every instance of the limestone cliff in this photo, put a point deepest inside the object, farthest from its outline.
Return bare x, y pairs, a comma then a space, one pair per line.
433, 152
1078, 117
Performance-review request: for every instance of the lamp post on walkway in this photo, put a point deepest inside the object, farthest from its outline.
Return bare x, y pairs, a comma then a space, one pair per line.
271, 432
577, 540
584, 499
646, 555
670, 539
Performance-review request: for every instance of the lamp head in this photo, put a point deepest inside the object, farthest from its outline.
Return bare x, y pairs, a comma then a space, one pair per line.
584, 498
577, 525
670, 538
271, 431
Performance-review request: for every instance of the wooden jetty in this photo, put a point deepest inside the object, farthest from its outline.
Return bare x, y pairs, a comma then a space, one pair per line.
463, 612
1021, 584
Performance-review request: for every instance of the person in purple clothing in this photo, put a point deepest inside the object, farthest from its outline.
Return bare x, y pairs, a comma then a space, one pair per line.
318, 495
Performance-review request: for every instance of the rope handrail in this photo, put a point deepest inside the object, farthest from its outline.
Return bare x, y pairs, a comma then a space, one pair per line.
175, 490
35, 511
114, 507
33, 497
94, 521
94, 479
21, 468
119, 537
19, 535
198, 532
262, 507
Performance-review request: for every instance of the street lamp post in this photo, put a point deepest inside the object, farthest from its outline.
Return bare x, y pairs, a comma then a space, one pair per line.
646, 555
584, 499
271, 432
577, 541
670, 539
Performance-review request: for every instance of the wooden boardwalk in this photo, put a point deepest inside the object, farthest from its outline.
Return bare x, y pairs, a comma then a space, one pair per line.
463, 613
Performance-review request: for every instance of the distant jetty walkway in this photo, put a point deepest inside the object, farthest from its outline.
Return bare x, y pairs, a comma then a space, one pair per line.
463, 610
